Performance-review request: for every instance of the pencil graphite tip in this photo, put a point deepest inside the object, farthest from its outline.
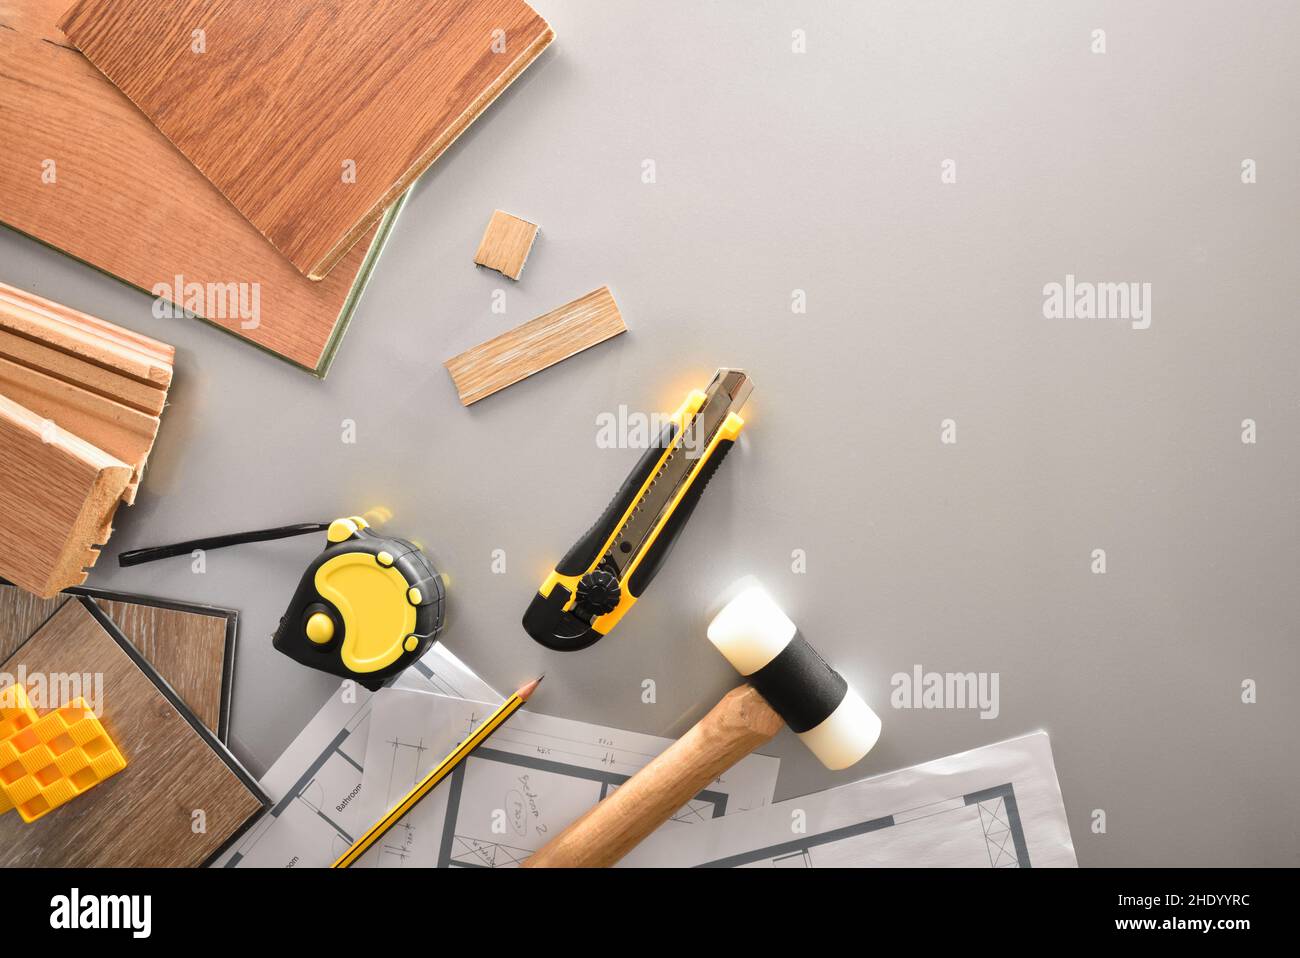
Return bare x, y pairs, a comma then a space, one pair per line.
531, 687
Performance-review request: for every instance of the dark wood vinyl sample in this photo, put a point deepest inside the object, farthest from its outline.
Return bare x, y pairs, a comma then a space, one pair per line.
21, 614
121, 198
144, 815
187, 649
283, 99
192, 648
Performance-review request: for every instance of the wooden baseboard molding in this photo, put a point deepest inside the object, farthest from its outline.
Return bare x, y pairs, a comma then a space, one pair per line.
58, 494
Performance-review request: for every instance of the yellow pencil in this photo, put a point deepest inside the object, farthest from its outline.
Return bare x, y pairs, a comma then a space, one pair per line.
441, 771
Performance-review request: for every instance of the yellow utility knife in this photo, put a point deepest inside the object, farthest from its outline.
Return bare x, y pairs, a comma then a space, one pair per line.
609, 568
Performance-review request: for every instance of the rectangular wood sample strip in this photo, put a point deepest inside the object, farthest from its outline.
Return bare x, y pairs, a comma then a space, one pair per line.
506, 244
58, 494
122, 199
119, 430
530, 348
144, 815
191, 646
310, 118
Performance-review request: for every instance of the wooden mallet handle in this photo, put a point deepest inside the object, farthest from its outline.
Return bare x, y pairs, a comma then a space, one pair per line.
736, 726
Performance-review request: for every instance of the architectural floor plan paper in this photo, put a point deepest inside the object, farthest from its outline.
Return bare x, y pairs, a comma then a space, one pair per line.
993, 807
315, 784
533, 777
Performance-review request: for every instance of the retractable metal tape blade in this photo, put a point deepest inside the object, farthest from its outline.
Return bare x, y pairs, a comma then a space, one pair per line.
601, 577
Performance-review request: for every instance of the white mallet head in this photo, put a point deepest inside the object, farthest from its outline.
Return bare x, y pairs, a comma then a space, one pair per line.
763, 645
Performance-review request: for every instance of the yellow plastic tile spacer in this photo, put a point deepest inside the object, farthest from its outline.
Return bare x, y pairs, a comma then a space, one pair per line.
16, 714
58, 757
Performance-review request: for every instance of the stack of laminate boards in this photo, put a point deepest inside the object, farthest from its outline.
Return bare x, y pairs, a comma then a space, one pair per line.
161, 158
79, 405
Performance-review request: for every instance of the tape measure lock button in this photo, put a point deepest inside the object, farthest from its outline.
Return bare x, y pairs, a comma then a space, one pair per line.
320, 628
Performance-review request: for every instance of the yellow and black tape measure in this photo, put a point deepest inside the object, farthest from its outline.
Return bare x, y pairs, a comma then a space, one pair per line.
365, 608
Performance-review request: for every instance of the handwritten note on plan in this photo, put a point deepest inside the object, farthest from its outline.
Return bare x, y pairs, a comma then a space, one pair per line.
533, 777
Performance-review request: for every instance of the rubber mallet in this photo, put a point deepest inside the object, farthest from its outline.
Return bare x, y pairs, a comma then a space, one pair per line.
788, 684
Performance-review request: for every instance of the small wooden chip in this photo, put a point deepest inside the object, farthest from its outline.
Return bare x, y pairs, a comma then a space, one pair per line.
506, 244
530, 348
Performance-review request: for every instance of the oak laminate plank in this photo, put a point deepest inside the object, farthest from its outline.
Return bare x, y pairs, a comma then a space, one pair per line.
283, 98
144, 815
537, 344
126, 202
58, 494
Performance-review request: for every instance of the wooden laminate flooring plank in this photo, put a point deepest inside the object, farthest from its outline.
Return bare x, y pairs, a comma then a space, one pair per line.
83, 171
530, 348
311, 118
58, 494
144, 815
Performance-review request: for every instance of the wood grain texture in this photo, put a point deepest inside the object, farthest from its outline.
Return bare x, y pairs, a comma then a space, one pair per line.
126, 202
506, 244
530, 348
284, 93
122, 432
21, 614
188, 647
86, 337
142, 816
738, 724
35, 354
58, 494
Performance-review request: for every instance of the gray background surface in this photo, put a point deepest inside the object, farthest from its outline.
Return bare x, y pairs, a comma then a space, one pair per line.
778, 171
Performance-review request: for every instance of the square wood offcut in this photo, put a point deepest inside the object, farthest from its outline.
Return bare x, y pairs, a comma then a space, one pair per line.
506, 244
